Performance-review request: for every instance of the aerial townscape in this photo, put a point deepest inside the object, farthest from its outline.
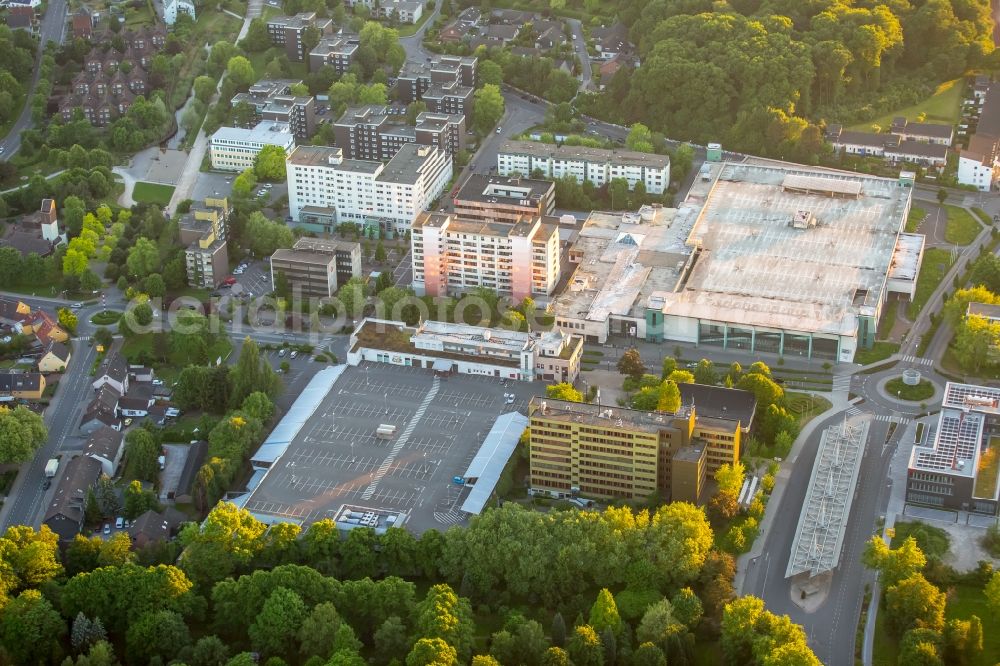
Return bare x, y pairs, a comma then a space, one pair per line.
500, 333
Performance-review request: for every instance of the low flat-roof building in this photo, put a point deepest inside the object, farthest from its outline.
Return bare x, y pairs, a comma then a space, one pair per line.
452, 256
610, 452
501, 199
959, 469
596, 165
315, 266
460, 348
236, 148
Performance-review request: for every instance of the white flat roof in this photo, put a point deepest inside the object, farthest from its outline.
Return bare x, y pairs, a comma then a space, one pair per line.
906, 258
756, 268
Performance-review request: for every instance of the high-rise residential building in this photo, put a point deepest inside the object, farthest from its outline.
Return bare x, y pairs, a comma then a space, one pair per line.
453, 256
402, 11
288, 31
614, 453
363, 191
596, 165
236, 148
272, 99
368, 133
501, 199
336, 51
446, 84
316, 266
203, 231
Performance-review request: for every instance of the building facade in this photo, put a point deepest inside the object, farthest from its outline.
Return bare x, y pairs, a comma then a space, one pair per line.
463, 349
236, 149
203, 230
317, 267
501, 199
596, 165
367, 133
453, 256
289, 31
336, 51
363, 190
613, 453
959, 468
272, 99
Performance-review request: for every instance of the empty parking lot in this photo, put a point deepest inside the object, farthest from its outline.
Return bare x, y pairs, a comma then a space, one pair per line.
336, 458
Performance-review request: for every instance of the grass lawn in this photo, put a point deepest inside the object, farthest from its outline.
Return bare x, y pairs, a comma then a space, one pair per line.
888, 320
805, 406
106, 318
914, 219
965, 601
153, 193
933, 541
885, 648
411, 29
879, 352
936, 263
944, 106
921, 391
962, 228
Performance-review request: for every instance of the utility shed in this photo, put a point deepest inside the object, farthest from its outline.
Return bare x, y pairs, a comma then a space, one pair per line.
485, 469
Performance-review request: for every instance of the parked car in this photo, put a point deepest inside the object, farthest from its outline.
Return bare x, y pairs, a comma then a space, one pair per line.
230, 281
119, 523
46, 484
76, 306
157, 382
128, 422
107, 528
293, 354
281, 352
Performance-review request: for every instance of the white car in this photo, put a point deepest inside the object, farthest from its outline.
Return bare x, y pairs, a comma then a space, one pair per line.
76, 306
157, 382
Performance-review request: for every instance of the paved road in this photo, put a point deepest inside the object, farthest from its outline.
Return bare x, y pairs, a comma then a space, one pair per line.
414, 44
51, 29
580, 45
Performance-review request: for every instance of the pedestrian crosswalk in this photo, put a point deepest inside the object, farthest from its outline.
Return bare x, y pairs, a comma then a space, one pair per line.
882, 418
842, 383
452, 517
909, 358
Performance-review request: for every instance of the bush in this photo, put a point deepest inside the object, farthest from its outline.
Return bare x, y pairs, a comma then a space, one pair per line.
991, 540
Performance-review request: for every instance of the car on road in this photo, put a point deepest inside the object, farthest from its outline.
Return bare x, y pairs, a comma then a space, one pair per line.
76, 306
691, 366
46, 484
499, 130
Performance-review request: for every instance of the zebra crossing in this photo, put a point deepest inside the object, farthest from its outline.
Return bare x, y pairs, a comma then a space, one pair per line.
401, 441
452, 517
842, 382
882, 418
909, 358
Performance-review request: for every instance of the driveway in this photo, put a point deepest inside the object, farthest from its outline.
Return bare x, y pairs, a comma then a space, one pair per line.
580, 44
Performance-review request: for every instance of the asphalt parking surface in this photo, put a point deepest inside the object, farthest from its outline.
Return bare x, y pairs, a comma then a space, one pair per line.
336, 459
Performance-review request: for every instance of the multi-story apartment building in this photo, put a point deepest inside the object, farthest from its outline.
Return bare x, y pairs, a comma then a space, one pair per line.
288, 31
317, 267
504, 199
615, 453
446, 84
596, 165
236, 148
203, 231
366, 132
404, 11
452, 256
959, 468
272, 99
337, 51
723, 418
366, 190
979, 164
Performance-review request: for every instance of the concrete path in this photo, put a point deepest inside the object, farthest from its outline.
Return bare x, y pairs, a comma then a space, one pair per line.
129, 180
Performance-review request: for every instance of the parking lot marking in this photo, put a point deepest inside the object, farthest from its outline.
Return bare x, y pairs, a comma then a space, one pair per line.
403, 438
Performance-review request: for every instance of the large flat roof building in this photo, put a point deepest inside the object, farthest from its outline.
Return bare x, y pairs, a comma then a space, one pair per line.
362, 190
236, 148
316, 266
452, 256
959, 468
596, 165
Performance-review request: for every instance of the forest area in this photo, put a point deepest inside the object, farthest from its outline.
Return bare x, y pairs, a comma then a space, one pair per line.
767, 76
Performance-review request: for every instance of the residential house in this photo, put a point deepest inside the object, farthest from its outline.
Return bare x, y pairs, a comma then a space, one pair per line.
36, 233
114, 373
184, 493
137, 402
455, 32
21, 18
83, 24
14, 313
510, 17
141, 373
925, 132
101, 411
65, 515
610, 68
502, 33
611, 41
153, 527
105, 445
34, 4
56, 357
45, 328
890, 147
979, 165
550, 34
21, 386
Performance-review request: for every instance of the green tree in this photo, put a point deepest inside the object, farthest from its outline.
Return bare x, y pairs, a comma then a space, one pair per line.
639, 139
21, 433
142, 452
244, 183
154, 285
942, 195
921, 647
432, 651
705, 373
648, 654
915, 603
443, 615
563, 391
896, 564
67, 320
992, 592
31, 629
209, 651
143, 258
669, 397
204, 88
137, 500
240, 72
584, 647
729, 477
160, 633
279, 620
318, 630
604, 614
489, 73
390, 639
116, 551
555, 656
269, 165
686, 607
267, 236
252, 374
669, 365
631, 364
488, 109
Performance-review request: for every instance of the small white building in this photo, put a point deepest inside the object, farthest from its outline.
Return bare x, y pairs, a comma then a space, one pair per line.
979, 165
236, 148
172, 8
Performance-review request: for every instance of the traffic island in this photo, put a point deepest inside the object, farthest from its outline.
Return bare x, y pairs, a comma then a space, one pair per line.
909, 387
